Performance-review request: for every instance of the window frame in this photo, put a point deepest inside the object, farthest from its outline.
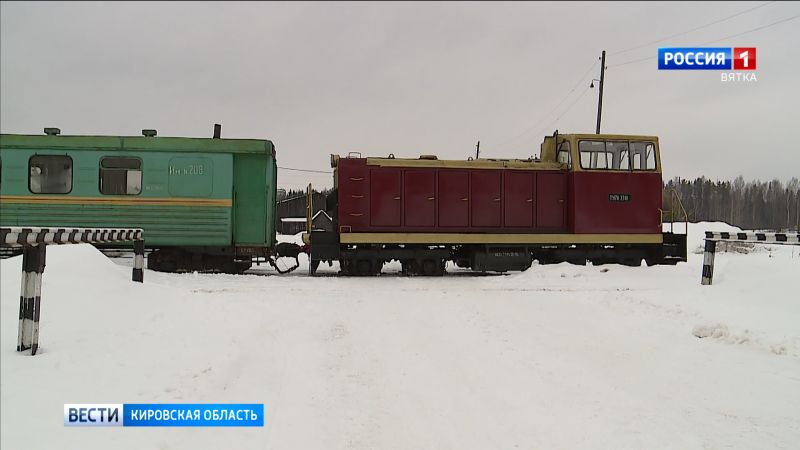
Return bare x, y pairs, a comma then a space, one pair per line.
101, 168
71, 174
568, 151
630, 155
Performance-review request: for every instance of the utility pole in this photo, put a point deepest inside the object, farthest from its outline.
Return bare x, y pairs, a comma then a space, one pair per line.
600, 99
478, 150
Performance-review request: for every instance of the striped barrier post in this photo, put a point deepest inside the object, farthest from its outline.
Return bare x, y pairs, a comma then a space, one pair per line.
34, 242
138, 261
708, 262
712, 237
33, 258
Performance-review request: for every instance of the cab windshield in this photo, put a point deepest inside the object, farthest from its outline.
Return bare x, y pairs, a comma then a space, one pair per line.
617, 155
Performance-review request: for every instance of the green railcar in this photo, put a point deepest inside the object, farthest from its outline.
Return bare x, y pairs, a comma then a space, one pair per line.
204, 203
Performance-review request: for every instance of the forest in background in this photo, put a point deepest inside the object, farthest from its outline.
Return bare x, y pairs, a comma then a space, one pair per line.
750, 205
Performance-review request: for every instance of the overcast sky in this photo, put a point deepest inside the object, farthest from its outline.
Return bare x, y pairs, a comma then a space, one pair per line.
404, 78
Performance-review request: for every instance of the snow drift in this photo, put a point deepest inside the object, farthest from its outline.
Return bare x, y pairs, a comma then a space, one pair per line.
557, 357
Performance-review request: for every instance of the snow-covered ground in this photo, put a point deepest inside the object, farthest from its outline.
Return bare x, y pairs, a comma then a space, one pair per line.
557, 357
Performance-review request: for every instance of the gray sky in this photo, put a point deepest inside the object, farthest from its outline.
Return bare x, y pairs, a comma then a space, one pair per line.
403, 78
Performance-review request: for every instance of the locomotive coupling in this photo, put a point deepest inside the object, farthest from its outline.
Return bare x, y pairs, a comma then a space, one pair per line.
288, 249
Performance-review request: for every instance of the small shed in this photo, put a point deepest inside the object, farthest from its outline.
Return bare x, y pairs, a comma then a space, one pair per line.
322, 221
292, 225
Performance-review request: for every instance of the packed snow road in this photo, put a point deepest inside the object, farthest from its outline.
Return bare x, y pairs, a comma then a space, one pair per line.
558, 357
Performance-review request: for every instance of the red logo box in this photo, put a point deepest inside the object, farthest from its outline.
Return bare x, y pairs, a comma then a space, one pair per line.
744, 58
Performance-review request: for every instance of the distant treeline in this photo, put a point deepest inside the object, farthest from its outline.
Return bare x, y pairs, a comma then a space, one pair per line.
284, 194
749, 205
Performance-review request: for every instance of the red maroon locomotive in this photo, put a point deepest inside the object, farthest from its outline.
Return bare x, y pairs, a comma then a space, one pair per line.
588, 197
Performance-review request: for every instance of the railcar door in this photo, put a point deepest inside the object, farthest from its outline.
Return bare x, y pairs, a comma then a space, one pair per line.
551, 196
487, 205
453, 201
419, 198
385, 199
520, 193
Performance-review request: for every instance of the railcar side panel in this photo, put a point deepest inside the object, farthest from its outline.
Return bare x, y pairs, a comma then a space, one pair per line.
184, 200
419, 198
519, 192
486, 199
354, 195
617, 202
551, 201
384, 197
453, 200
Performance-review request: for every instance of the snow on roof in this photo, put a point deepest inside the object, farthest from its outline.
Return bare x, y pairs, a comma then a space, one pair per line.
323, 213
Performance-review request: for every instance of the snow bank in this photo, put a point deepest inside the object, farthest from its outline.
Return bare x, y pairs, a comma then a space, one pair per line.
559, 356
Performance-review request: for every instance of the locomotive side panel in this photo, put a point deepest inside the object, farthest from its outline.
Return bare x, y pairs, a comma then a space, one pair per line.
551, 201
385, 204
353, 192
453, 200
621, 202
419, 198
486, 199
519, 192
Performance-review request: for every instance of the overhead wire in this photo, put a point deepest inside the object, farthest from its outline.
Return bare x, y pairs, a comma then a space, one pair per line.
305, 170
549, 113
752, 30
682, 33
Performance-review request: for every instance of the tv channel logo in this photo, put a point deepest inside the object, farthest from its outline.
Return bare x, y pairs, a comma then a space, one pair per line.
93, 415
707, 58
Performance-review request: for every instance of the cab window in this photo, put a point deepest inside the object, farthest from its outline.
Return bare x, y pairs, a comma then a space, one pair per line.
593, 155
564, 155
643, 156
50, 174
120, 176
617, 155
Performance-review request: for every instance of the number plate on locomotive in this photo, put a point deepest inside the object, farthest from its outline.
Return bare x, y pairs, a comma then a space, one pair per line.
619, 197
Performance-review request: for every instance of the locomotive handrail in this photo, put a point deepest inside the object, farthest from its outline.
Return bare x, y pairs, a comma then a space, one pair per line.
673, 199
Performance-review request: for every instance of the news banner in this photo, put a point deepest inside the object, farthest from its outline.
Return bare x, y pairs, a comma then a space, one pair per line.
163, 415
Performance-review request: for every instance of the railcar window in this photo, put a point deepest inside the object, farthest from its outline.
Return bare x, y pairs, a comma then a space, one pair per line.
593, 155
564, 156
617, 155
643, 156
618, 152
50, 174
120, 176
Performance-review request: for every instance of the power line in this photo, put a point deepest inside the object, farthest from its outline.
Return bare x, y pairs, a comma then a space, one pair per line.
753, 30
693, 29
571, 105
305, 170
563, 113
580, 80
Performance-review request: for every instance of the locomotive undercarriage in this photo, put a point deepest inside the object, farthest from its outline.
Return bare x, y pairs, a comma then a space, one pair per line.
185, 260
233, 260
426, 260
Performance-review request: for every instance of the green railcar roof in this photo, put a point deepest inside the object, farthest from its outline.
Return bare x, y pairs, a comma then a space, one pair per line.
139, 143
